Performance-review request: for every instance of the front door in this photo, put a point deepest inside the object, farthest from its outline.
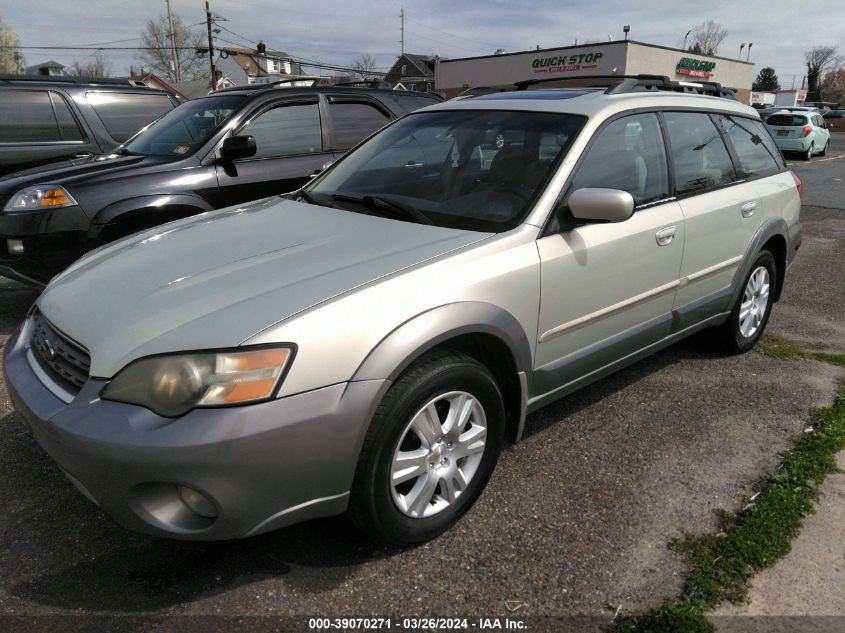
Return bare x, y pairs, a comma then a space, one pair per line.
607, 288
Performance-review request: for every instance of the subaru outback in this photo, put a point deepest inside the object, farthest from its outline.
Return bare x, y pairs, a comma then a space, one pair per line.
368, 343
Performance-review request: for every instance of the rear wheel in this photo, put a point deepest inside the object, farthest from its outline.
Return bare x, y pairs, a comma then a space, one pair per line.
751, 311
809, 153
430, 449
824, 149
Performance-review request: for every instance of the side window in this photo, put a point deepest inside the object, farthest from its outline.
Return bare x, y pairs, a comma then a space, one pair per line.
700, 156
286, 130
354, 122
756, 156
409, 103
68, 126
26, 116
628, 154
125, 114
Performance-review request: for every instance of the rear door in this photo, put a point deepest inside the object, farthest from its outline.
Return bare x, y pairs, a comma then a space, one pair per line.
353, 118
720, 207
39, 127
291, 145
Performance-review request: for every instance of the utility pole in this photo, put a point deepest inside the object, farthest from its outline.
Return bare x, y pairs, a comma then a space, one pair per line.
402, 28
210, 47
176, 72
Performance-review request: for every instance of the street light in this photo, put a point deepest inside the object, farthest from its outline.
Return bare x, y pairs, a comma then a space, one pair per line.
741, 46
625, 30
748, 56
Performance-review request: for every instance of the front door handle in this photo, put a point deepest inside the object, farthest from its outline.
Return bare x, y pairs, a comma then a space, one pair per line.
748, 209
665, 236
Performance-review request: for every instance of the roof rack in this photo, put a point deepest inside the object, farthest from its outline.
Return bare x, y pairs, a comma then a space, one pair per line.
642, 83
66, 79
365, 83
315, 81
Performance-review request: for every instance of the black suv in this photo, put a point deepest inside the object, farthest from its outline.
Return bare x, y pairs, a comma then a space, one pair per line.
226, 148
49, 119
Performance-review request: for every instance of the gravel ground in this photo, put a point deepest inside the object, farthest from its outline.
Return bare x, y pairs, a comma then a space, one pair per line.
575, 520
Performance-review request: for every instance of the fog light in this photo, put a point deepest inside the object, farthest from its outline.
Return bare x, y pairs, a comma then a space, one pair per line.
197, 502
15, 247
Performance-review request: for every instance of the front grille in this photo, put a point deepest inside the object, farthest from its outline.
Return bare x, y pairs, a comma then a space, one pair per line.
63, 361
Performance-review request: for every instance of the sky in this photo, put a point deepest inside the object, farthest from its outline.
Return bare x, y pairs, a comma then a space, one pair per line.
337, 31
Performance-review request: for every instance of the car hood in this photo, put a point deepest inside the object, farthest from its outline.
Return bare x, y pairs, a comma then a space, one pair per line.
76, 171
216, 279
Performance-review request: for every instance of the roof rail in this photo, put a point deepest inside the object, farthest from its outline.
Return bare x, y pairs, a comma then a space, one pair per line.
641, 83
647, 83
67, 79
315, 81
364, 83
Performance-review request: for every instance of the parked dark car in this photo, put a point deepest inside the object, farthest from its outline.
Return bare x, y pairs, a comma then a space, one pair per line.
835, 120
229, 147
49, 119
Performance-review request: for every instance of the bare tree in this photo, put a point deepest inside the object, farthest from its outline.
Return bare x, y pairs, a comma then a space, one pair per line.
818, 60
365, 65
706, 38
10, 59
97, 67
158, 53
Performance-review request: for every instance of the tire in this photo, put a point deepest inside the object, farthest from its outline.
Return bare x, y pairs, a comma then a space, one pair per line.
742, 330
824, 149
448, 470
809, 153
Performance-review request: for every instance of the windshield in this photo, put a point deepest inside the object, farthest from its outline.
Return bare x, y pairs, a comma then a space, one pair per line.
479, 170
183, 130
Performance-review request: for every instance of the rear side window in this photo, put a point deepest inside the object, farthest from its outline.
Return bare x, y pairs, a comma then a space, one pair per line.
629, 155
754, 147
125, 114
354, 122
68, 126
286, 130
786, 120
26, 116
700, 156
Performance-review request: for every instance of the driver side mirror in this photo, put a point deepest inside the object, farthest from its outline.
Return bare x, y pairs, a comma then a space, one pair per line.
236, 147
595, 203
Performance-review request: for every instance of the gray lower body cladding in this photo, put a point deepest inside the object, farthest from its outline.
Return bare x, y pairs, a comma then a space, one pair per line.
263, 466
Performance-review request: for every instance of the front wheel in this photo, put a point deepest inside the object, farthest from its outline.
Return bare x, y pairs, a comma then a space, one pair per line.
751, 311
431, 447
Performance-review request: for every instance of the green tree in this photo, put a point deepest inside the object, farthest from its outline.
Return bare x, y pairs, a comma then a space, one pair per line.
767, 80
10, 60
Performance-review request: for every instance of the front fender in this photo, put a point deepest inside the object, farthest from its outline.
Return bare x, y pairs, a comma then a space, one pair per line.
122, 208
396, 351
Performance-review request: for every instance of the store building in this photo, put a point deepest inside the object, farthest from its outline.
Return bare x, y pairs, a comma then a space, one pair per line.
577, 64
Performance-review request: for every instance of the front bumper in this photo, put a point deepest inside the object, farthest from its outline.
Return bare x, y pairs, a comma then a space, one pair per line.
52, 240
263, 466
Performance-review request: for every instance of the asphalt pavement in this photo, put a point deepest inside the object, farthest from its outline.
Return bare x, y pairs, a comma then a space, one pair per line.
575, 520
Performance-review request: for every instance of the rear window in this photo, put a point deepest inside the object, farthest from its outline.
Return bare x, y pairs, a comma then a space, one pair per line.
125, 114
409, 103
355, 121
757, 153
786, 120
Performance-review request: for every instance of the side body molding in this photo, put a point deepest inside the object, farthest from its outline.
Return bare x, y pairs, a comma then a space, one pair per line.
396, 351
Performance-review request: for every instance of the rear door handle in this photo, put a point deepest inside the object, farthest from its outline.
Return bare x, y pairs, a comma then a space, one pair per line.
748, 209
83, 155
665, 236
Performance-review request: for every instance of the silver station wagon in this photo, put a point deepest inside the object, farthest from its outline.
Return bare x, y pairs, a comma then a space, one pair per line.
368, 343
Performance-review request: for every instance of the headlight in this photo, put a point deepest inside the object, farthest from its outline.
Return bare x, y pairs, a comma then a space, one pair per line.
40, 197
173, 385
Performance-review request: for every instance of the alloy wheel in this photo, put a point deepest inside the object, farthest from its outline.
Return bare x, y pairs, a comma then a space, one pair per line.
754, 302
438, 454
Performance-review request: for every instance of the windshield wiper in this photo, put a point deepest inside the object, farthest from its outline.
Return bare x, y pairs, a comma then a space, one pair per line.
125, 152
387, 208
309, 197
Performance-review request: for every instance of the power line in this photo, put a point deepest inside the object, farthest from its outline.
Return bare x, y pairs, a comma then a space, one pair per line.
463, 37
